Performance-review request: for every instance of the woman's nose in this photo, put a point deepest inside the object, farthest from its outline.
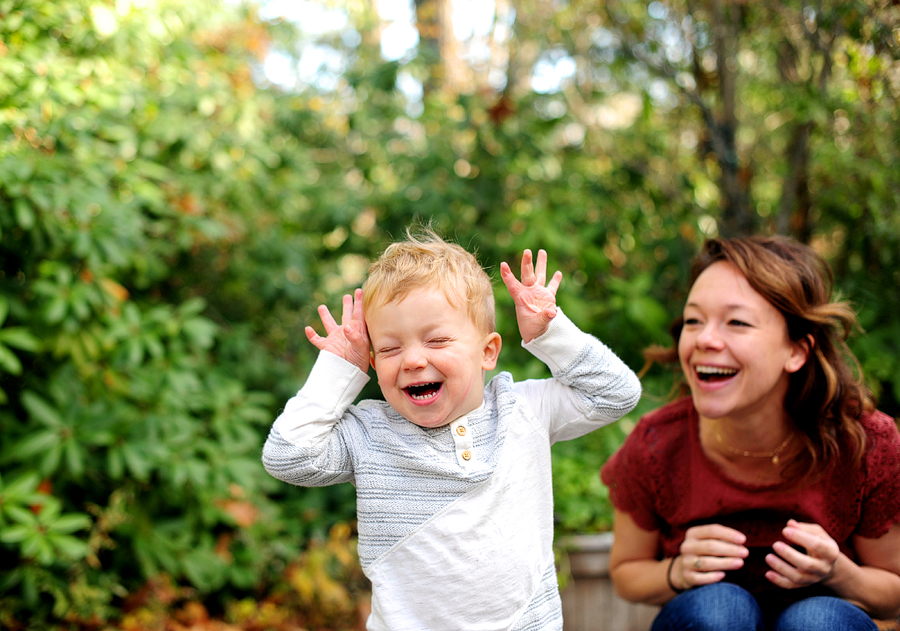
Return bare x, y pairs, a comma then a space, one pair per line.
709, 336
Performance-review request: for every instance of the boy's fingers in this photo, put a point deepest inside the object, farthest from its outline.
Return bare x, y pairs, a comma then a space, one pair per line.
358, 305
347, 309
549, 313
554, 283
509, 279
527, 268
540, 268
325, 316
314, 337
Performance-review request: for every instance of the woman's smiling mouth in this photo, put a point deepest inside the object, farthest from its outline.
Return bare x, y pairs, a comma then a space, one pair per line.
714, 373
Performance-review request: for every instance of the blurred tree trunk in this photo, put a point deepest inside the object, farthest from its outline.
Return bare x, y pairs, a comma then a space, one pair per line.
737, 214
812, 76
439, 47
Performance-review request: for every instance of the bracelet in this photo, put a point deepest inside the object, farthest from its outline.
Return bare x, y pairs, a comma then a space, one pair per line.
669, 575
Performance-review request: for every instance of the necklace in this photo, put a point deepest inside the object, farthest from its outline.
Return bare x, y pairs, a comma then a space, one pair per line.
753, 454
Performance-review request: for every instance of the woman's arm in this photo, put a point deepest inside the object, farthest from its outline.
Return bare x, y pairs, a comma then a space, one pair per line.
873, 583
636, 573
707, 552
877, 590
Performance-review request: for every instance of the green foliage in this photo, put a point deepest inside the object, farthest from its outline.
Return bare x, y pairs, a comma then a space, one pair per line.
582, 501
133, 147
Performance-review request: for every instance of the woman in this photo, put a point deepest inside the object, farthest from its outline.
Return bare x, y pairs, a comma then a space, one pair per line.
769, 498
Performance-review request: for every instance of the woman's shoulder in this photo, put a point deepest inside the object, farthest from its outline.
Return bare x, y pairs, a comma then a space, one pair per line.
879, 424
880, 476
882, 435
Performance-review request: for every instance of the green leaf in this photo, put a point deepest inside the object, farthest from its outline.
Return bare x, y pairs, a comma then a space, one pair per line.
200, 331
21, 487
56, 310
50, 462
9, 362
114, 463
21, 515
69, 523
42, 411
36, 444
135, 462
16, 533
24, 214
19, 337
74, 458
69, 546
39, 547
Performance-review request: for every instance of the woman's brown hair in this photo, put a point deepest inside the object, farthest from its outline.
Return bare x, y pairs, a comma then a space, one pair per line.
827, 396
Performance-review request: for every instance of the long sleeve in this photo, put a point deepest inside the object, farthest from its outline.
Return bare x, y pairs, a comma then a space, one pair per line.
303, 447
591, 386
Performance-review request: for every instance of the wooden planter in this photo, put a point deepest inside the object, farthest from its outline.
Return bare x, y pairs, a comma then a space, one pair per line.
588, 599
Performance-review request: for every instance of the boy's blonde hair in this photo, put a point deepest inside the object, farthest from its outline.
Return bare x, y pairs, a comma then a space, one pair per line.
427, 261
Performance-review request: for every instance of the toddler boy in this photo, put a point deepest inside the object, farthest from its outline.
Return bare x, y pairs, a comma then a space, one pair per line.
453, 478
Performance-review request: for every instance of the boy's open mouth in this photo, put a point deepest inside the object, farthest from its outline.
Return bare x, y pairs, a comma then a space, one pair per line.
423, 391
714, 373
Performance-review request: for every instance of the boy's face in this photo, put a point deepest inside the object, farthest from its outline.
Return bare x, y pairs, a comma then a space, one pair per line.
429, 357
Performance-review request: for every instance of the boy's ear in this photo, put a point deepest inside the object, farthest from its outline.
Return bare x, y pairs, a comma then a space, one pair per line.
372, 360
492, 345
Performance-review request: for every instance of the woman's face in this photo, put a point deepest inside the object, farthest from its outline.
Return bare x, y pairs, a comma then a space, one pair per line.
734, 348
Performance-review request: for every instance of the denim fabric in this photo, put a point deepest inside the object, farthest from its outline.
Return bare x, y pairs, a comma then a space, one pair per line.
727, 607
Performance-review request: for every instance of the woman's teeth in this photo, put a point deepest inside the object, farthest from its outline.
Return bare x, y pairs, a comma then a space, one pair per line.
713, 372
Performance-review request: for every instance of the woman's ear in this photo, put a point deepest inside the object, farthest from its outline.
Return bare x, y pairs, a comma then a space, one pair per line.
800, 351
492, 345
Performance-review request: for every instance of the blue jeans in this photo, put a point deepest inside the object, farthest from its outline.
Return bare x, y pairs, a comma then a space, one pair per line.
727, 607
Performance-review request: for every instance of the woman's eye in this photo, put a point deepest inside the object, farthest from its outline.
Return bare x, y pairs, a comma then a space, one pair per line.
738, 323
691, 321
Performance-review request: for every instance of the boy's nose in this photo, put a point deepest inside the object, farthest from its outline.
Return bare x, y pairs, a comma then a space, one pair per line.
414, 359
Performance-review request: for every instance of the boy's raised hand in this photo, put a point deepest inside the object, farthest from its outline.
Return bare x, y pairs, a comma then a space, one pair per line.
535, 298
349, 339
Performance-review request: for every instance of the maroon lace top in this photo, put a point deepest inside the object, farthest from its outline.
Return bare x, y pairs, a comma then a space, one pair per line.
661, 477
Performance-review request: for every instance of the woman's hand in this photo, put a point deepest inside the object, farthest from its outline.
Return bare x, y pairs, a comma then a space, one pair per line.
706, 553
792, 568
535, 301
348, 340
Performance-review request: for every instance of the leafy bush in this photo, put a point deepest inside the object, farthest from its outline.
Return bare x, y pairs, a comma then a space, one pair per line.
131, 147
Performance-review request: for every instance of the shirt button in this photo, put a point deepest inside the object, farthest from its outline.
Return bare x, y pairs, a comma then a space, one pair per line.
467, 455
461, 430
